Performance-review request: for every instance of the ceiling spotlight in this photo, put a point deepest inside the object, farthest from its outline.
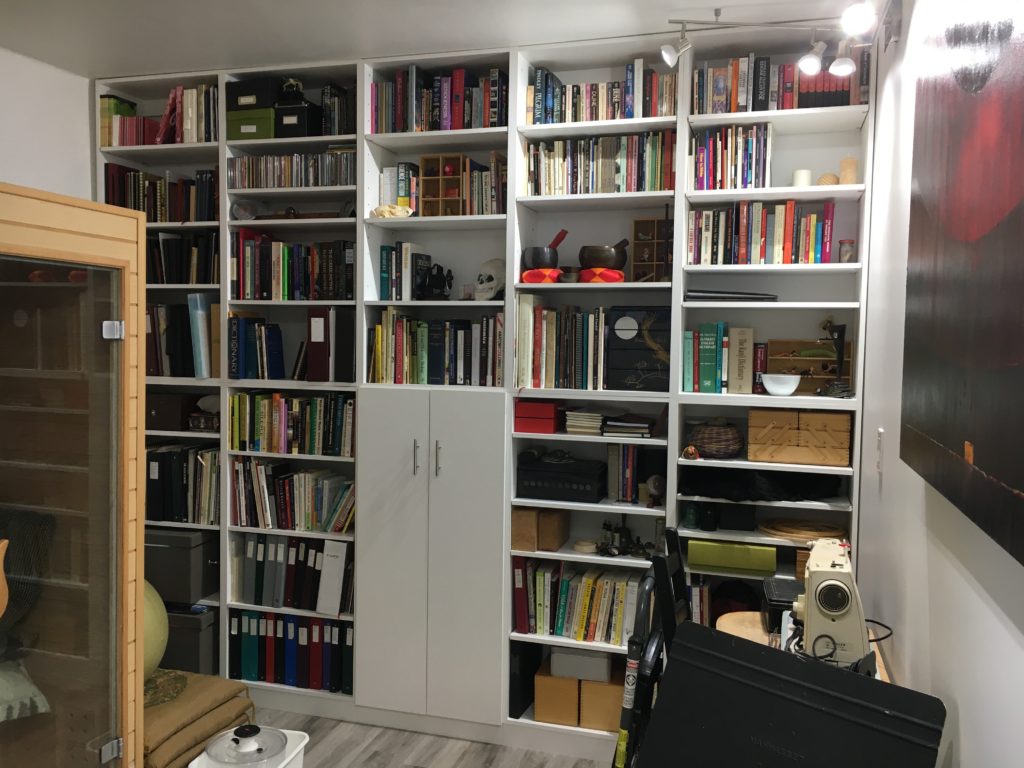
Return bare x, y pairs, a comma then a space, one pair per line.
671, 52
843, 66
858, 18
810, 62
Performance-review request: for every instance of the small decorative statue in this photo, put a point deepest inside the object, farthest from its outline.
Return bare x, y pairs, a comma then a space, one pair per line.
439, 283
490, 282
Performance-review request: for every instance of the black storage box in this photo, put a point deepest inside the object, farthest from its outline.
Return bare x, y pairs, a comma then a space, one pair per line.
297, 120
169, 412
559, 477
260, 93
524, 659
182, 566
191, 641
637, 349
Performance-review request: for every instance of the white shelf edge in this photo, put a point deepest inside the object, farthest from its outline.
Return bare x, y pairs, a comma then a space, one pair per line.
296, 456
527, 721
616, 395
796, 269
288, 611
185, 526
183, 434
809, 402
290, 384
325, 535
659, 442
767, 466
263, 684
825, 506
606, 507
814, 192
567, 642
577, 128
774, 305
576, 557
740, 537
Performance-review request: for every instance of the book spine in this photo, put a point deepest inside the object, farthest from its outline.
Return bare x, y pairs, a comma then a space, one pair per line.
760, 366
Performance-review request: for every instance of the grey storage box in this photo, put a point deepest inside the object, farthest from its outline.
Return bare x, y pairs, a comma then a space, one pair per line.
191, 642
182, 566
581, 665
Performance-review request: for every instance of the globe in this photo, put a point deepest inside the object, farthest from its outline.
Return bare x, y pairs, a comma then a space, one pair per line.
154, 630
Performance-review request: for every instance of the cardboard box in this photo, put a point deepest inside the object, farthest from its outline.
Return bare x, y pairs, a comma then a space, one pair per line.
552, 529
601, 703
581, 665
557, 699
524, 529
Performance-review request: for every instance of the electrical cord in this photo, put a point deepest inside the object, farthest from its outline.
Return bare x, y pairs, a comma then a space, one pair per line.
883, 626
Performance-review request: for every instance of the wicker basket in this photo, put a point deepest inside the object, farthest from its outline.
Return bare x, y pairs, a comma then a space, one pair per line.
717, 440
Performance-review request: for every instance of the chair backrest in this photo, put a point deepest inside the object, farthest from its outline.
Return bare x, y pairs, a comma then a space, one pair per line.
670, 598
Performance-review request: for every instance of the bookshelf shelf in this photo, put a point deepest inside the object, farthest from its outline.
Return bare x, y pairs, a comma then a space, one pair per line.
328, 222
567, 555
212, 601
306, 193
592, 395
301, 144
454, 223
765, 194
828, 505
295, 456
605, 507
280, 687
726, 573
180, 226
598, 201
292, 303
289, 384
428, 303
566, 642
741, 537
775, 305
611, 440
766, 466
289, 611
182, 526
327, 535
182, 286
165, 154
596, 128
181, 381
811, 402
772, 269
595, 287
186, 435
441, 141
791, 121
527, 720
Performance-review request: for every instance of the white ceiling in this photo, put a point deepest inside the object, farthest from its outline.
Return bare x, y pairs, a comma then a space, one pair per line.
104, 38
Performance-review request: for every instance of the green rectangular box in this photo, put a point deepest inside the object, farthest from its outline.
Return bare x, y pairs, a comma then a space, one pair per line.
251, 124
730, 556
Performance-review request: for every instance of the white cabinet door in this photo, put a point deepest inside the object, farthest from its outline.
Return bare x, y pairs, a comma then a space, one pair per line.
464, 619
392, 470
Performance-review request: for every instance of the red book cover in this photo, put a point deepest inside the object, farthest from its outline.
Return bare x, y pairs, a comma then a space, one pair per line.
289, 573
764, 234
760, 366
179, 114
826, 232
787, 243
164, 131
458, 98
318, 344
399, 351
538, 335
791, 84
519, 594
316, 654
744, 257
270, 643
696, 361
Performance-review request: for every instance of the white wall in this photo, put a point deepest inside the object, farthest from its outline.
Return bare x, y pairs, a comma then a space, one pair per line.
46, 126
953, 596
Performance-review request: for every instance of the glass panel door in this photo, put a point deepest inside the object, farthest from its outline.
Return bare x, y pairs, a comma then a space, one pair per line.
59, 501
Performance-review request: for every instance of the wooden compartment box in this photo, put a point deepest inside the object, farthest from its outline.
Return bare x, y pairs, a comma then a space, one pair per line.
814, 360
651, 257
441, 192
799, 437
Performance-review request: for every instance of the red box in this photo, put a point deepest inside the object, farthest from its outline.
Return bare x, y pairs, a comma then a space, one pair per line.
537, 426
536, 409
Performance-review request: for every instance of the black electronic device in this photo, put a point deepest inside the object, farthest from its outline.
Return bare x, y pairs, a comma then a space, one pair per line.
726, 702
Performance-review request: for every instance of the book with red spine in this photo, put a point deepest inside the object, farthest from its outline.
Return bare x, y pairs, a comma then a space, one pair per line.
789, 86
458, 98
316, 654
764, 239
522, 615
179, 114
744, 257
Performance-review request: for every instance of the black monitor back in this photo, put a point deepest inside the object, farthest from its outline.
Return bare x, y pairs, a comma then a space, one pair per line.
725, 702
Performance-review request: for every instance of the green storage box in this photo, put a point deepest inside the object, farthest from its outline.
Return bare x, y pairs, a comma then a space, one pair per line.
251, 124
746, 559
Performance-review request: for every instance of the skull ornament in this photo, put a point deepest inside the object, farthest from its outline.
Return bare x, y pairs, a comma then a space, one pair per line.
491, 280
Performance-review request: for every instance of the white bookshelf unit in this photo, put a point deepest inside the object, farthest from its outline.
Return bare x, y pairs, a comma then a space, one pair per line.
433, 531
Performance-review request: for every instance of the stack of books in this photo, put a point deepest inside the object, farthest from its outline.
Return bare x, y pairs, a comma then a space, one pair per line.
642, 162
413, 100
584, 422
628, 425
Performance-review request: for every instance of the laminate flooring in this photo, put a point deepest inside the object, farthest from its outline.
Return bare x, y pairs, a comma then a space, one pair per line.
334, 744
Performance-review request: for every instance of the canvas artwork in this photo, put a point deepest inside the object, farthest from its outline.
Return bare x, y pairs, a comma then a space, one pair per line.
963, 378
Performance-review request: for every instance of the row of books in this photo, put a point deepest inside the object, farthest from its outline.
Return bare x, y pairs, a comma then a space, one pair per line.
183, 339
189, 116
183, 484
624, 473
754, 84
698, 595
641, 162
279, 572
732, 157
275, 422
414, 100
339, 110
719, 359
313, 654
404, 272
641, 93
404, 350
271, 270
161, 199
272, 495
334, 167
762, 233
562, 600
187, 258
256, 347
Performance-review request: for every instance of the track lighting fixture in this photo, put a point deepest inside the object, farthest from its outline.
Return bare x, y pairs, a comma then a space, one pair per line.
858, 18
844, 65
671, 52
810, 62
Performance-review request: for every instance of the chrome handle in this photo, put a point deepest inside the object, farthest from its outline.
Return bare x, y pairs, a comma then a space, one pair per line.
415, 455
437, 458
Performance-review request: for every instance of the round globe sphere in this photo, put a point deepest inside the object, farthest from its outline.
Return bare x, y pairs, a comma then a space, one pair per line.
154, 630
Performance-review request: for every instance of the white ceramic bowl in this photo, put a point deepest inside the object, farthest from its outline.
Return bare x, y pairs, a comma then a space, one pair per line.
780, 384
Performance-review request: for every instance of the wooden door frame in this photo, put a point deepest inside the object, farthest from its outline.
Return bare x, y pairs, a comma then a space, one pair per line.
43, 225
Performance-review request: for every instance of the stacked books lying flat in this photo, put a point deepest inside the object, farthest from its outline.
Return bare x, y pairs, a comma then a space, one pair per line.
314, 654
273, 495
747, 232
183, 484
732, 157
583, 421
642, 162
334, 167
628, 425
310, 575
269, 270
183, 339
404, 350
719, 359
256, 347
190, 115
561, 600
188, 258
274, 422
641, 93
161, 199
414, 100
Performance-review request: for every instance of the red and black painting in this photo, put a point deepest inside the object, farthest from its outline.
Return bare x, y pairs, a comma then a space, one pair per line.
963, 360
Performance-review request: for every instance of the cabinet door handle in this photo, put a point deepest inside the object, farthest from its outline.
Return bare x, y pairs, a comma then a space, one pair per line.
415, 455
437, 458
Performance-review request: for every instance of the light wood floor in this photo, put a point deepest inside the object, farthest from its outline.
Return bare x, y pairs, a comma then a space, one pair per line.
333, 744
